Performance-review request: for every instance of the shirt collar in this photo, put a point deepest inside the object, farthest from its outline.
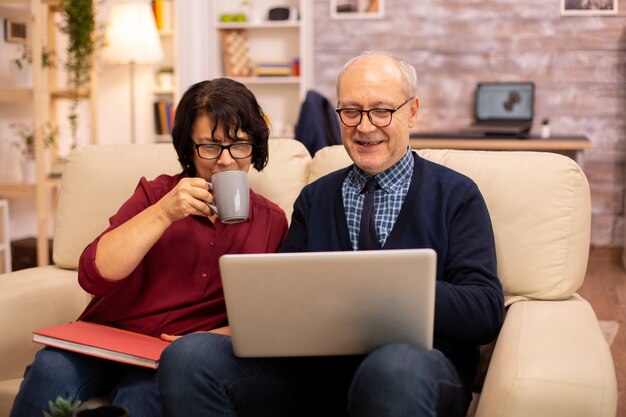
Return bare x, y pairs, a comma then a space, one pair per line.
389, 179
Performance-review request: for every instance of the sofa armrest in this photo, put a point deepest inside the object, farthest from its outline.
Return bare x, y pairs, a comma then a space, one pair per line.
550, 359
31, 299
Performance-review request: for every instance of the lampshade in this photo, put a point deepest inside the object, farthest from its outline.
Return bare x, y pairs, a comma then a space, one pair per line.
131, 34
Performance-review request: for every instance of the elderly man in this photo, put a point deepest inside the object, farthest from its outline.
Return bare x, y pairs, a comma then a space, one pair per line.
390, 198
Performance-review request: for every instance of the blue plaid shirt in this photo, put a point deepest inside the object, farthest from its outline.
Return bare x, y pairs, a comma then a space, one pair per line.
394, 185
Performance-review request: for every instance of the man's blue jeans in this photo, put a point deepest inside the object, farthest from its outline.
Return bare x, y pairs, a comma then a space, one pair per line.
199, 375
57, 372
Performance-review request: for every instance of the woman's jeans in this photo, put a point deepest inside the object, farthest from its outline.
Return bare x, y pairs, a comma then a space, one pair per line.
200, 376
57, 372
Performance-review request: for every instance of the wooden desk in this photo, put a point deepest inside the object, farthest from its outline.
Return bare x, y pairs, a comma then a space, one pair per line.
571, 146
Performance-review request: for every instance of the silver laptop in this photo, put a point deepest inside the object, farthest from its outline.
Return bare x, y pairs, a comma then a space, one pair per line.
503, 109
329, 303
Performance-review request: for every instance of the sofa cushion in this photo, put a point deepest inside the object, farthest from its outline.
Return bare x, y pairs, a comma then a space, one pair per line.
540, 209
284, 176
31, 299
112, 172
8, 391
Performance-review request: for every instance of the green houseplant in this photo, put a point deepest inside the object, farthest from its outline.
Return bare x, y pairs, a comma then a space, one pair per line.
79, 24
545, 128
165, 77
21, 64
62, 407
26, 142
26, 145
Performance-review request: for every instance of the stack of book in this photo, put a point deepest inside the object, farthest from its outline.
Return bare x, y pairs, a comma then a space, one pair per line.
163, 117
272, 69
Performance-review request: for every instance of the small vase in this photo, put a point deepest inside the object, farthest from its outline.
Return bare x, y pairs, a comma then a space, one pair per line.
545, 131
165, 80
29, 171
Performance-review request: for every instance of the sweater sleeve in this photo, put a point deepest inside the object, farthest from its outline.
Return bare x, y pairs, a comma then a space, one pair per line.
469, 304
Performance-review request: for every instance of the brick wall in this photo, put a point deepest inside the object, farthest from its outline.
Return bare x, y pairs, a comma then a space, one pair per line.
577, 63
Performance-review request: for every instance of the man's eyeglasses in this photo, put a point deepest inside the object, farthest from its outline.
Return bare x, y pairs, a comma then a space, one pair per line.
240, 150
378, 117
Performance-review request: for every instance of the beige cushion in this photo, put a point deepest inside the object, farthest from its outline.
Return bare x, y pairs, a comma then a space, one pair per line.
285, 174
550, 360
8, 390
82, 216
540, 209
327, 160
31, 299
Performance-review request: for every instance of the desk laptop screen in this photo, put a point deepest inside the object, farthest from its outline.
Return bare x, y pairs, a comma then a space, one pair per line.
504, 101
329, 303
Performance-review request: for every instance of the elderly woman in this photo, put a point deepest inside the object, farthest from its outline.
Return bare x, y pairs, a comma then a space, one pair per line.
154, 270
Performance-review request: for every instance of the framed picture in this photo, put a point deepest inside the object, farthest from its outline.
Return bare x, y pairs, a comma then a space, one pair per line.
588, 7
357, 9
14, 31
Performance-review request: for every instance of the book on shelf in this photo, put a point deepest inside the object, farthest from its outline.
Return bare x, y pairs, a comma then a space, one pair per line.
163, 10
269, 69
164, 112
166, 16
104, 342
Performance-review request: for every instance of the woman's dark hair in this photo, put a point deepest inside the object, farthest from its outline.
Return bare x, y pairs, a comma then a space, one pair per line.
228, 104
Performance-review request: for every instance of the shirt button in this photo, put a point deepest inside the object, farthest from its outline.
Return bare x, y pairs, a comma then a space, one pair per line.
204, 275
211, 243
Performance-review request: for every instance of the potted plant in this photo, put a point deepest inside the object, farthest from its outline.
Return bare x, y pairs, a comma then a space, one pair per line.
79, 24
62, 407
165, 77
21, 67
545, 128
26, 146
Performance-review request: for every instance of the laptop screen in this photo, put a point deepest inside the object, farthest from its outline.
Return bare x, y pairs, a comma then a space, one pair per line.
504, 101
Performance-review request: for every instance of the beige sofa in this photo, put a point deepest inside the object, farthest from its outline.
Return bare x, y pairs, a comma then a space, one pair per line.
550, 359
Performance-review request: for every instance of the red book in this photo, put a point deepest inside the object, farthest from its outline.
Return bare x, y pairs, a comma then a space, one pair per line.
104, 342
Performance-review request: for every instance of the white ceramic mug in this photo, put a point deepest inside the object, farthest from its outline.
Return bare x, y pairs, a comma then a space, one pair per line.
231, 196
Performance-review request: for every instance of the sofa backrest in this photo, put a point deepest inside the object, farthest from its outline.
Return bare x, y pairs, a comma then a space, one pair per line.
540, 208
539, 203
99, 178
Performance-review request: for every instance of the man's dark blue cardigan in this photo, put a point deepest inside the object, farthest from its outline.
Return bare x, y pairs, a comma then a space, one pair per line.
445, 211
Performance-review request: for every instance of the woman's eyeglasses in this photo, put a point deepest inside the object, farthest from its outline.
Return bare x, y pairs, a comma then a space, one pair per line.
240, 150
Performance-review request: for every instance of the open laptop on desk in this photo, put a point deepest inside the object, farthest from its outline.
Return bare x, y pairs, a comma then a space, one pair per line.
329, 303
503, 109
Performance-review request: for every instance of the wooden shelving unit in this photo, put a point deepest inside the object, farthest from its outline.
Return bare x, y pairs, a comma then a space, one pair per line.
199, 40
43, 96
168, 43
269, 41
5, 243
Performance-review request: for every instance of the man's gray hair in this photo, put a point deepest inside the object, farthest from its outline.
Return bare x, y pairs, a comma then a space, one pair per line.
409, 75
